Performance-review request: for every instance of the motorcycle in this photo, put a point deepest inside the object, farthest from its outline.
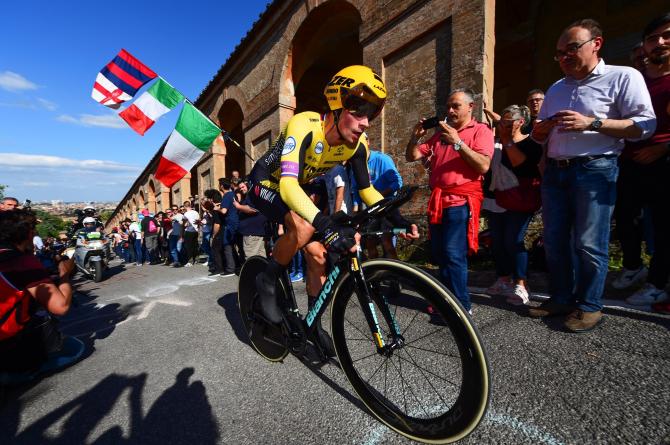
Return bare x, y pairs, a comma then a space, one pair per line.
91, 255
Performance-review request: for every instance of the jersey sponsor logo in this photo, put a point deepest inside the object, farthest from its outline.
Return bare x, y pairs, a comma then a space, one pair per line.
311, 171
289, 146
265, 194
318, 148
331, 91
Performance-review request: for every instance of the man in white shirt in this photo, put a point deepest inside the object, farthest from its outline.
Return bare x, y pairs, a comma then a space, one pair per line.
583, 122
191, 234
135, 231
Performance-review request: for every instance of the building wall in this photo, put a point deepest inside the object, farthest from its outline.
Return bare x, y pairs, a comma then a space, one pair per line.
421, 48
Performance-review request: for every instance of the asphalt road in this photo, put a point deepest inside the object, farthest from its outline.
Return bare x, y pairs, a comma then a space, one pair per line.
167, 362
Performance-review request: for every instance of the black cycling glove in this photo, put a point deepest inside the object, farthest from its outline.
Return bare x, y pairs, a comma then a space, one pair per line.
336, 239
398, 221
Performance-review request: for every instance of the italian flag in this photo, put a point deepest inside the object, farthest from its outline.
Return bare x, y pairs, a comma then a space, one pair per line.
191, 138
155, 102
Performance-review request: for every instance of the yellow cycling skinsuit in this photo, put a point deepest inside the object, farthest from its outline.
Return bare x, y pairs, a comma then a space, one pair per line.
300, 154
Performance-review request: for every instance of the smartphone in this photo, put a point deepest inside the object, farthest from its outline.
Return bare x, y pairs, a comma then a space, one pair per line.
431, 122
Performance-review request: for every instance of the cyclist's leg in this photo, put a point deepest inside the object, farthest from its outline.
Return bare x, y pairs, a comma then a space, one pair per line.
297, 232
315, 257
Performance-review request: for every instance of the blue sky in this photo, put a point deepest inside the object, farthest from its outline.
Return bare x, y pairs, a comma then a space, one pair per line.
56, 142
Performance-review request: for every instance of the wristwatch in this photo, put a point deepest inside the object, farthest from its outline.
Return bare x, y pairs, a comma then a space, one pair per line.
457, 145
596, 124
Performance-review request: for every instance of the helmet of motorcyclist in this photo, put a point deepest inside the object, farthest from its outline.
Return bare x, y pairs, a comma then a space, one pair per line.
357, 89
89, 211
89, 223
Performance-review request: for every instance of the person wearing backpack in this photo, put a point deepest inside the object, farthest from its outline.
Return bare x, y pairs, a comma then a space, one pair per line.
30, 343
150, 234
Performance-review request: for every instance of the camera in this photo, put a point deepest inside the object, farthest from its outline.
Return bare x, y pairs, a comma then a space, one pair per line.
430, 123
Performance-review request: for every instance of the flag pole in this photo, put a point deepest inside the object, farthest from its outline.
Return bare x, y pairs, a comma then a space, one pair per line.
226, 136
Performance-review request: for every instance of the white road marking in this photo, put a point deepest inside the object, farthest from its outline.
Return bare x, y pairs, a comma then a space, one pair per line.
147, 309
196, 281
160, 291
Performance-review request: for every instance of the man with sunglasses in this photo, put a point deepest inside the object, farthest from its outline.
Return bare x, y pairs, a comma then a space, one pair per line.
309, 146
584, 120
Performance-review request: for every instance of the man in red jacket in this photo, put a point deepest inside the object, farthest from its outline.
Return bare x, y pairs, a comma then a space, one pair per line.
460, 153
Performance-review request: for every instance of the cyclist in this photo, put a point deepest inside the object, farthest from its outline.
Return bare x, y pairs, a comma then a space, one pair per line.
309, 146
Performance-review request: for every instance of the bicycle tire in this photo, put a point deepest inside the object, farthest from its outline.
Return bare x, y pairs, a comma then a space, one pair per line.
444, 422
267, 339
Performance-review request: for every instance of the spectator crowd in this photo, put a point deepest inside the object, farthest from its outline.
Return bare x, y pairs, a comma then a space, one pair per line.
593, 147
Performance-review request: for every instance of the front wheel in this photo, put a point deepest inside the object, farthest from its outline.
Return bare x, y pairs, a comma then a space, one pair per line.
433, 385
97, 271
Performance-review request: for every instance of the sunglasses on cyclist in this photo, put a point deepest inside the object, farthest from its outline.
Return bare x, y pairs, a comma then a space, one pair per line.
361, 102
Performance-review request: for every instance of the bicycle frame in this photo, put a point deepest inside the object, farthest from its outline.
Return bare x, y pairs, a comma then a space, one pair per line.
334, 279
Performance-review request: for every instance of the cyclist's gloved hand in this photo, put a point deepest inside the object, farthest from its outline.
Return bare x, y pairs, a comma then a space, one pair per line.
398, 221
336, 239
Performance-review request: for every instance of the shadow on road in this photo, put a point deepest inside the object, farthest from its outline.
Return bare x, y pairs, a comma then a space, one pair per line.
310, 359
229, 304
181, 415
86, 321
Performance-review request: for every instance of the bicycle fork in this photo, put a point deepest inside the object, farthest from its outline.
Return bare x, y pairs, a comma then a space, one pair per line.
368, 308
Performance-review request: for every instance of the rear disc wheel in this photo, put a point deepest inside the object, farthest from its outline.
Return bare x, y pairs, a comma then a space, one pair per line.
266, 338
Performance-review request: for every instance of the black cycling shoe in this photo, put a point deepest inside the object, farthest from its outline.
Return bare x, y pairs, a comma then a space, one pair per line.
266, 287
321, 335
325, 341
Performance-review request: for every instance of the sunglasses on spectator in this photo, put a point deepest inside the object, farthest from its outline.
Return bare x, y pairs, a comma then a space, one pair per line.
570, 50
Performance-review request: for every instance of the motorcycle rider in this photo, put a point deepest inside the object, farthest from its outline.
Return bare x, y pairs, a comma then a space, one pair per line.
89, 224
86, 212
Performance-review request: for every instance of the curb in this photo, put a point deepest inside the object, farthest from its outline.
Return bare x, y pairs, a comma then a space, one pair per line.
618, 305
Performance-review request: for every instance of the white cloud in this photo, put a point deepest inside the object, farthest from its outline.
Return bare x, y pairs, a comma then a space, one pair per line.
17, 161
46, 177
30, 104
14, 82
90, 120
19, 104
47, 104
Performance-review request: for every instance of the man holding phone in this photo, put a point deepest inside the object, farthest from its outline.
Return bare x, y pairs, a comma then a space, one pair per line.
460, 153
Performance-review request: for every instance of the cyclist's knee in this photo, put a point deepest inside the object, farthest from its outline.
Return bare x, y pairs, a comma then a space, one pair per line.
299, 229
315, 255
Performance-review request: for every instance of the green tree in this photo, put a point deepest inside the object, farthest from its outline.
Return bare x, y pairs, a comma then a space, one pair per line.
2, 190
105, 215
50, 224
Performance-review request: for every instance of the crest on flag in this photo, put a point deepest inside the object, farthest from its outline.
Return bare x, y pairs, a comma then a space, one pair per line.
119, 80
